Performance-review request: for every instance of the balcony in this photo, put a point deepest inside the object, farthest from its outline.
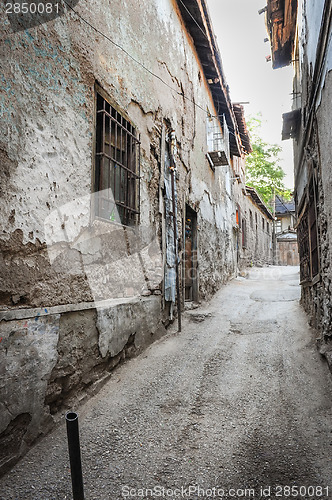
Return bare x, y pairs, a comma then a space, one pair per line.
218, 144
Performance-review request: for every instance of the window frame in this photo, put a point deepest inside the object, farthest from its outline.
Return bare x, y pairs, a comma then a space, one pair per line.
117, 156
308, 235
278, 225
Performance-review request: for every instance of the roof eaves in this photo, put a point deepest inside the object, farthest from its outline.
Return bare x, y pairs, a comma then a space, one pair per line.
197, 19
258, 201
281, 26
242, 125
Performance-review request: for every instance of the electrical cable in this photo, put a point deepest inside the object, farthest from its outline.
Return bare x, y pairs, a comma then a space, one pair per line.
134, 59
144, 67
281, 201
192, 17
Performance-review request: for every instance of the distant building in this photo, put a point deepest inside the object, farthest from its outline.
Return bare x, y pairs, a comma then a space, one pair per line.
287, 253
285, 214
255, 230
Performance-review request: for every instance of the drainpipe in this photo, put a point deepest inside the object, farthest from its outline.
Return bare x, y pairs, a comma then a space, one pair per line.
175, 229
274, 237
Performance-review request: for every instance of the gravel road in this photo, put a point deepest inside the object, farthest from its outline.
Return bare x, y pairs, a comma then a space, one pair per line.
239, 401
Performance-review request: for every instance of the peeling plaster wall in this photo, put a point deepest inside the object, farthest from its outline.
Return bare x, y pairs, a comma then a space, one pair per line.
27, 357
78, 295
51, 359
47, 130
313, 13
312, 18
215, 246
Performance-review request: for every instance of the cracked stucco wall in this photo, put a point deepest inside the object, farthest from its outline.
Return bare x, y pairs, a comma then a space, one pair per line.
54, 256
47, 130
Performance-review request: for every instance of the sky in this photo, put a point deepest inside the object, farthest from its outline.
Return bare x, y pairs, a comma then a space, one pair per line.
240, 33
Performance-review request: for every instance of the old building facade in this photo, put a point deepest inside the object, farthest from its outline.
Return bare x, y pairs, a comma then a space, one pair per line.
254, 229
120, 188
287, 253
300, 32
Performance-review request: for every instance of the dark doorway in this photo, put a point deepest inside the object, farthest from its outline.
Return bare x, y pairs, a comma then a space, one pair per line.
190, 256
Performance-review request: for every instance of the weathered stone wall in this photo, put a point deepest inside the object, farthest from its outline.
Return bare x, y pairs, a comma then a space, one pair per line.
317, 298
258, 248
312, 155
54, 256
216, 262
47, 133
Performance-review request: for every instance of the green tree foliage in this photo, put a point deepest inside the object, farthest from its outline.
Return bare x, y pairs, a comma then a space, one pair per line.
264, 172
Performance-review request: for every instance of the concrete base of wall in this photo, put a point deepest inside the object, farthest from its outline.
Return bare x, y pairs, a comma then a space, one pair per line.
53, 358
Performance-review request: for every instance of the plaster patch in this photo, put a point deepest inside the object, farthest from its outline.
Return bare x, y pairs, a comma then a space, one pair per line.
28, 353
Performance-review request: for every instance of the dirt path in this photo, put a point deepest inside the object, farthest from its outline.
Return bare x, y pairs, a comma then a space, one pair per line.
239, 401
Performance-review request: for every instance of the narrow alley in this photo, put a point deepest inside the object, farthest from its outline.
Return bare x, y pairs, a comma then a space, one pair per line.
239, 401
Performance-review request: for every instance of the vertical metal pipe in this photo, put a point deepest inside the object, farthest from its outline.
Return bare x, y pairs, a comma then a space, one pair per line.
74, 455
175, 231
178, 295
274, 236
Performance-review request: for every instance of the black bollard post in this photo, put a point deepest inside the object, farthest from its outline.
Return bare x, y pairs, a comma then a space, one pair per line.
74, 455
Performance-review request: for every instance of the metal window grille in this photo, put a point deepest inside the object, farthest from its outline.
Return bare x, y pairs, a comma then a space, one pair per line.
117, 170
304, 247
218, 143
312, 228
308, 238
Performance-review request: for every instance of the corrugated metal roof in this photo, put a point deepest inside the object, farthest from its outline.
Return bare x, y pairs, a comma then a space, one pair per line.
284, 207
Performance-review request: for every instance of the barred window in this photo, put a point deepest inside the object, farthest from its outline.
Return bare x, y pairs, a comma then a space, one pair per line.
117, 166
304, 247
312, 228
